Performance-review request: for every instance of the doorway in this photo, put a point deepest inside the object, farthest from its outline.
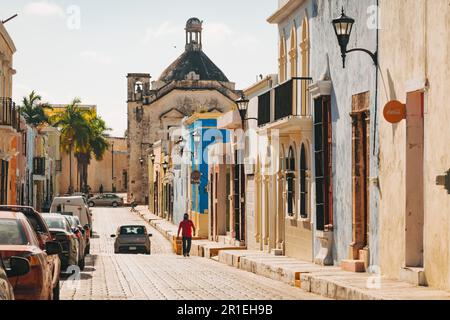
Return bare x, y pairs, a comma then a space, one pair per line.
360, 176
414, 180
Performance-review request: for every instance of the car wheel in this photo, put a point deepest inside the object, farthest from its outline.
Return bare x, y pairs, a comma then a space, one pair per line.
91, 204
115, 204
56, 291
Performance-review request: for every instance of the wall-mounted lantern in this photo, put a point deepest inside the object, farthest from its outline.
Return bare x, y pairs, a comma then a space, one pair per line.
343, 27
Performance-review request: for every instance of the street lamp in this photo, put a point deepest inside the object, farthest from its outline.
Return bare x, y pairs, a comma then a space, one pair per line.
343, 27
181, 144
165, 166
242, 104
152, 158
141, 160
197, 136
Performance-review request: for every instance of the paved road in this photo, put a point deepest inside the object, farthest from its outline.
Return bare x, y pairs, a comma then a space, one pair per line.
163, 275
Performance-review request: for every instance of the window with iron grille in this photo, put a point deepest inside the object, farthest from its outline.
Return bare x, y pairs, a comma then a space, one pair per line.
323, 163
39, 166
303, 183
6, 111
290, 181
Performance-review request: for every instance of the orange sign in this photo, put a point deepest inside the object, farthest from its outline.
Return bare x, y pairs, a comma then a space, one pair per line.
394, 111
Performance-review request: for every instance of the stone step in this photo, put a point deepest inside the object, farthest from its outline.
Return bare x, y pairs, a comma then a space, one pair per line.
353, 266
415, 276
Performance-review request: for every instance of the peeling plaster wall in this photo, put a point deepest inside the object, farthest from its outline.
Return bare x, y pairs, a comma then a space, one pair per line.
358, 77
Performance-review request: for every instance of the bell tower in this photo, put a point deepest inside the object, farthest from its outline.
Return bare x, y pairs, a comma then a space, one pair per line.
194, 28
138, 86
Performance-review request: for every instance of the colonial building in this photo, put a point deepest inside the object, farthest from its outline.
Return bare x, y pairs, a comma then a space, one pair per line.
9, 122
345, 153
192, 83
278, 170
414, 146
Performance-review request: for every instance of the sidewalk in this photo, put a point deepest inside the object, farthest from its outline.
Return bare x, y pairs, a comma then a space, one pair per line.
200, 247
330, 282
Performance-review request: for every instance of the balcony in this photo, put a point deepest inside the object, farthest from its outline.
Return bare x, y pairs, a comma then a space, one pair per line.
9, 114
39, 166
286, 103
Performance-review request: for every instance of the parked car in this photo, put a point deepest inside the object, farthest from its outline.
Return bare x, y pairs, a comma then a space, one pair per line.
106, 200
17, 266
132, 239
76, 206
18, 239
80, 232
43, 235
62, 233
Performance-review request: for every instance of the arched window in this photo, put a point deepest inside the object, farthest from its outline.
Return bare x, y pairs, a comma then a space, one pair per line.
304, 46
282, 59
290, 181
303, 183
293, 52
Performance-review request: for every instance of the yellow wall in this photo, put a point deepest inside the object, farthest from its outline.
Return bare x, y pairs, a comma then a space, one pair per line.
99, 172
415, 46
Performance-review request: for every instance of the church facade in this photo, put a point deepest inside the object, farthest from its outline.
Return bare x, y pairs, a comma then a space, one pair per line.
191, 84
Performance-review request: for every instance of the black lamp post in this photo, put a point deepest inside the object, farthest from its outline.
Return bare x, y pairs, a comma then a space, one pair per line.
165, 166
343, 27
242, 104
182, 145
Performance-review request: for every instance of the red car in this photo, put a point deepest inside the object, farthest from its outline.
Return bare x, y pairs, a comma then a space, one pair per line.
17, 238
43, 234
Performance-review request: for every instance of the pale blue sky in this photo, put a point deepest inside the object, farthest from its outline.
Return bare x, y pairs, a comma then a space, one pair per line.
119, 37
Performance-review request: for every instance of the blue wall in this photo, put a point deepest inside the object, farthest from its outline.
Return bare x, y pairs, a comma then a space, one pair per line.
207, 128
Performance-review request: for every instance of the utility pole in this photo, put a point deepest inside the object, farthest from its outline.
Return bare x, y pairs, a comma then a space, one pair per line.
112, 167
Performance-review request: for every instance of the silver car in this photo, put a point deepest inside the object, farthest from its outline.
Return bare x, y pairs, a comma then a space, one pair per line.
106, 200
132, 239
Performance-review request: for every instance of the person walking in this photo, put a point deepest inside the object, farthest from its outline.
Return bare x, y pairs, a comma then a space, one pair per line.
133, 203
186, 226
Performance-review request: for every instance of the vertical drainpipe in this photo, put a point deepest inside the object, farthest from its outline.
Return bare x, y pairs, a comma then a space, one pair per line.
376, 83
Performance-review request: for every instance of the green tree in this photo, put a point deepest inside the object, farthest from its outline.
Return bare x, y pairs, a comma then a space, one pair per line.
33, 110
83, 133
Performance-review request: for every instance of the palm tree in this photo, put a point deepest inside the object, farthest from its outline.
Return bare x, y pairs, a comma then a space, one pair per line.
83, 133
33, 110
95, 148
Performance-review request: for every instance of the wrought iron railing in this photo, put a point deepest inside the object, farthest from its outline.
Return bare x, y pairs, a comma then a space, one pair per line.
291, 98
9, 113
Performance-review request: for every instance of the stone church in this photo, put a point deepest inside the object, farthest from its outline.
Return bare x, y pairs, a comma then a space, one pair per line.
192, 83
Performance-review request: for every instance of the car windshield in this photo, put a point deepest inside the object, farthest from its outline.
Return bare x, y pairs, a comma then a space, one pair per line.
55, 222
30, 214
71, 222
125, 231
12, 233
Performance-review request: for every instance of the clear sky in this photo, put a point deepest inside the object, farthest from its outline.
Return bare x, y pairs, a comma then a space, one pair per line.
85, 48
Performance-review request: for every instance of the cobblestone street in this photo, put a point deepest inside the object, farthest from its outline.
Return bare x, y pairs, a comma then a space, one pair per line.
163, 275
